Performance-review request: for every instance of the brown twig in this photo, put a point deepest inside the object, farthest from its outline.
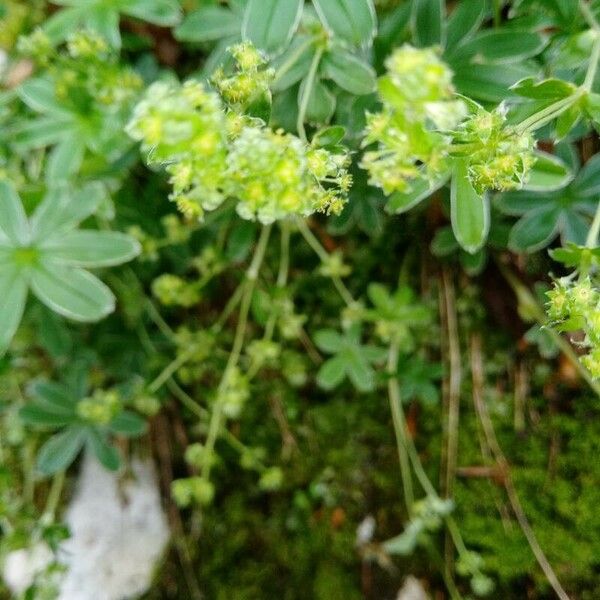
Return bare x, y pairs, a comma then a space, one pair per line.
490, 434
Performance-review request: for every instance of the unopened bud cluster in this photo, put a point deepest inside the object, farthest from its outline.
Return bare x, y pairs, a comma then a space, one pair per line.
499, 157
423, 125
418, 101
575, 306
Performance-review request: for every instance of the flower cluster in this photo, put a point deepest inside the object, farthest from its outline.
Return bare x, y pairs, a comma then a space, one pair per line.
423, 125
213, 153
575, 306
249, 83
184, 126
274, 174
418, 102
499, 157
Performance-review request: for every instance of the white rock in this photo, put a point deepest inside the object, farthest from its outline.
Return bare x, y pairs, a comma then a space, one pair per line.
22, 566
118, 534
412, 590
365, 530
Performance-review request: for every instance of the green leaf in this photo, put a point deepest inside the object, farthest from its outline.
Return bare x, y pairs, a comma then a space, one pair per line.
444, 243
518, 203
349, 72
401, 202
548, 173
13, 221
240, 240
106, 454
71, 292
486, 82
535, 230
13, 291
62, 210
352, 20
567, 121
497, 46
46, 416
38, 94
428, 19
470, 213
65, 158
547, 89
331, 373
465, 19
574, 227
86, 248
587, 183
52, 394
270, 24
207, 24
321, 102
128, 424
293, 65
359, 372
380, 296
166, 13
104, 20
42, 132
329, 340
60, 450
329, 136
62, 23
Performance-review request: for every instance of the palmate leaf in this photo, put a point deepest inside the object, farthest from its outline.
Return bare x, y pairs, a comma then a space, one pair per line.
544, 215
45, 254
351, 359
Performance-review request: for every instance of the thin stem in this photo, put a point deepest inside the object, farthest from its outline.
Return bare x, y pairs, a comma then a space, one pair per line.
171, 369
229, 308
284, 261
249, 285
454, 384
399, 422
309, 83
453, 398
592, 238
314, 243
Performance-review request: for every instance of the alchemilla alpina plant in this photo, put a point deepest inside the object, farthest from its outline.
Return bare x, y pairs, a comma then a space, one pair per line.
314, 277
